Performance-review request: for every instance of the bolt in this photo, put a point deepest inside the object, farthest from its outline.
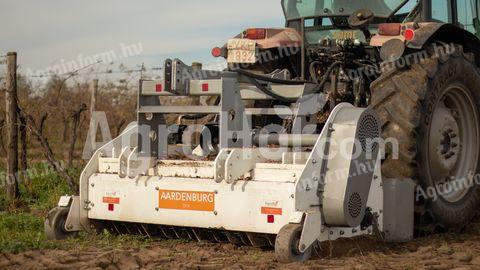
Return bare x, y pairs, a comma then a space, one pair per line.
292, 196
354, 230
92, 204
315, 179
216, 192
331, 232
215, 213
308, 188
157, 188
303, 247
70, 226
314, 161
92, 184
157, 209
342, 232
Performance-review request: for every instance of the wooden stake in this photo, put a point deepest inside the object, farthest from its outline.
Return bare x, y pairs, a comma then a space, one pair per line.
11, 183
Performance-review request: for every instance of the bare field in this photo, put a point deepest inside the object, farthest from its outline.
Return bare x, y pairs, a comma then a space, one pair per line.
447, 251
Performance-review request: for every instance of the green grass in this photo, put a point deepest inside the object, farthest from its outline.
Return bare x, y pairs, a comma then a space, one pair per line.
21, 221
22, 231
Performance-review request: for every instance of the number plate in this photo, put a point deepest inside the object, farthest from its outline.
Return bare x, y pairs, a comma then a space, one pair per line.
241, 51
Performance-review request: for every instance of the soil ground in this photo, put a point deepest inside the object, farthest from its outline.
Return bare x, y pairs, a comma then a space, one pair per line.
447, 251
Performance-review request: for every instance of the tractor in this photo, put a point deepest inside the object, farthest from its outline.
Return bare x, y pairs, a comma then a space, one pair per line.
372, 71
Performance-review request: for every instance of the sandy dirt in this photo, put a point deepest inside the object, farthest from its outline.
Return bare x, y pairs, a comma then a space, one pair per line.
434, 252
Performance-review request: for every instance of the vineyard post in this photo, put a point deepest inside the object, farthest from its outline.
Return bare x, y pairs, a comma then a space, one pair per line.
11, 182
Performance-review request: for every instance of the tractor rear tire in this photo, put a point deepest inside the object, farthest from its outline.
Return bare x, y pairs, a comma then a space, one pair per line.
432, 109
287, 245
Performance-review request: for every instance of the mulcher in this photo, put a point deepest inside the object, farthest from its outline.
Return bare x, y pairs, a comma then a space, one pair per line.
359, 117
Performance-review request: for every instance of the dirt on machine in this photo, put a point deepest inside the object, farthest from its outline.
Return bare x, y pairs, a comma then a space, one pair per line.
356, 118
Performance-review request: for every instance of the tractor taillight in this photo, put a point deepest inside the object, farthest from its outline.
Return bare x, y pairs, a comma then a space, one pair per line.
389, 29
409, 34
216, 52
255, 33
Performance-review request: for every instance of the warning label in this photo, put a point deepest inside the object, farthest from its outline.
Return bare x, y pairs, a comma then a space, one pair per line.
272, 211
187, 200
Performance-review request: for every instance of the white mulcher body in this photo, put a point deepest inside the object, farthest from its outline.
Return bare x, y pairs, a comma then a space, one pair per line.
310, 188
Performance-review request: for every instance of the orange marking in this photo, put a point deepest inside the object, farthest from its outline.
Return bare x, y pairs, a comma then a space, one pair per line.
111, 200
186, 200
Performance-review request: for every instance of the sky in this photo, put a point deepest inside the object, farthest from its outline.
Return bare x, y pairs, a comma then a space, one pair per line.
63, 34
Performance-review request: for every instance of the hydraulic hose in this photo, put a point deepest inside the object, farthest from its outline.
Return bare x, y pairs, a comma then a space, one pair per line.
255, 78
267, 92
268, 79
326, 76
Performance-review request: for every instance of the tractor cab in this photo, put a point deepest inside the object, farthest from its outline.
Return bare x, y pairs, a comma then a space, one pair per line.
329, 20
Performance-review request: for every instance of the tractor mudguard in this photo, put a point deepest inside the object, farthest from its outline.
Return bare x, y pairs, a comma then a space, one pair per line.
448, 33
436, 32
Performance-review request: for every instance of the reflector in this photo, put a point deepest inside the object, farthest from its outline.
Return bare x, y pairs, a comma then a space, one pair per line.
205, 87
270, 219
409, 34
216, 52
256, 33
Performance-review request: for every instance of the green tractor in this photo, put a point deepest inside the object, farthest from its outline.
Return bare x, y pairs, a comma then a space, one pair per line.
415, 62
